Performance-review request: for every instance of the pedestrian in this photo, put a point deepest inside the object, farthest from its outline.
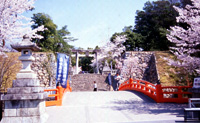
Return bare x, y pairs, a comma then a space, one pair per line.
110, 82
117, 79
95, 86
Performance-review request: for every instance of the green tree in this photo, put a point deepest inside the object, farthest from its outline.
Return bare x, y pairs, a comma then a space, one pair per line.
89, 48
152, 23
86, 62
65, 34
47, 43
63, 39
133, 41
185, 2
97, 48
54, 40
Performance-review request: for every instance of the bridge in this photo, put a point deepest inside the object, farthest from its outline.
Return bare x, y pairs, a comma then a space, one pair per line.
141, 104
118, 106
167, 94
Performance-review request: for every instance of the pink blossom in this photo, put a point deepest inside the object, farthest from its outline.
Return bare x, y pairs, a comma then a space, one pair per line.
13, 25
112, 50
186, 40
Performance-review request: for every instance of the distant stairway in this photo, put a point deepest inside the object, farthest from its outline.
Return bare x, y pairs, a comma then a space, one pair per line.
85, 82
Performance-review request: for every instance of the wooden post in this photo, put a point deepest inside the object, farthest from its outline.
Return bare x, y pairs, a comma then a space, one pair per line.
130, 83
159, 93
60, 94
179, 94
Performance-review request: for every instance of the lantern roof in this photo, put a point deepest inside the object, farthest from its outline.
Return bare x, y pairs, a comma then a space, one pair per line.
25, 44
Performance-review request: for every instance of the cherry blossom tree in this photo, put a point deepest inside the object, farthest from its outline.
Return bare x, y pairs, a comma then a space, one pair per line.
187, 39
115, 48
13, 25
112, 50
128, 67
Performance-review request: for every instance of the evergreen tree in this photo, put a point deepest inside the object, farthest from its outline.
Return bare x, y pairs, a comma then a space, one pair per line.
54, 40
133, 40
152, 23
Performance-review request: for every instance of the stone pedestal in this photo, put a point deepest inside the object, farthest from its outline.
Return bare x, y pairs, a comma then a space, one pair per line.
25, 102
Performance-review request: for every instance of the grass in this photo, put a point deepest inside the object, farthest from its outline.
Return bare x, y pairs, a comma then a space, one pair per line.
170, 75
13, 66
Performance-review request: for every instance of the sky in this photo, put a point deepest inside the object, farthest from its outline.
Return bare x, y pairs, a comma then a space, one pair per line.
92, 22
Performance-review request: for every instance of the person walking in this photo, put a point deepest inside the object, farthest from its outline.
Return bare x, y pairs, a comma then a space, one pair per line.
95, 86
117, 79
110, 82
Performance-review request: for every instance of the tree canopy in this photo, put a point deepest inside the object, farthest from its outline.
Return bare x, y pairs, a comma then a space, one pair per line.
151, 25
54, 40
85, 63
185, 2
133, 41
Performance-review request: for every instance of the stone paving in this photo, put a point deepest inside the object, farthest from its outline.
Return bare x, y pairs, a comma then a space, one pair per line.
113, 107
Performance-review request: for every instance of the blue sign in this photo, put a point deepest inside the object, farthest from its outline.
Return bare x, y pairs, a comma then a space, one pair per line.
109, 79
111, 65
62, 69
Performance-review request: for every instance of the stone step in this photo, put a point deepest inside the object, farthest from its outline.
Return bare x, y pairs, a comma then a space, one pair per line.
85, 82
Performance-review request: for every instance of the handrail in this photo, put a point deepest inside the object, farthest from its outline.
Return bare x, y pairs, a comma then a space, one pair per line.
58, 96
156, 92
59, 91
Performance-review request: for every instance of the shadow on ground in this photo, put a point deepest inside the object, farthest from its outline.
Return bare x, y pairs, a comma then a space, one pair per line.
146, 105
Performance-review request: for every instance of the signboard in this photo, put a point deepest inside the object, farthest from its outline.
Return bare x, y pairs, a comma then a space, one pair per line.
62, 69
196, 83
109, 79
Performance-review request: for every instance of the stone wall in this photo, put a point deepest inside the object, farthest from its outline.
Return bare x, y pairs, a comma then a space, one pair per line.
145, 68
45, 67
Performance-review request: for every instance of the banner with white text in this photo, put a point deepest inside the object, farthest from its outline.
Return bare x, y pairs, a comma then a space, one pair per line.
62, 69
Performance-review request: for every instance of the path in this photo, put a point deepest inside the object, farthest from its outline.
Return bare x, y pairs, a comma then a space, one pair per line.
118, 107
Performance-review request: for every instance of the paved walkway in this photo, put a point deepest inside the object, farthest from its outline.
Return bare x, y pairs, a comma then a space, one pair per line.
113, 107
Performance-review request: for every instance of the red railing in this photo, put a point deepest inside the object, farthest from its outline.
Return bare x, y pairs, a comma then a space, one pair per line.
59, 91
176, 94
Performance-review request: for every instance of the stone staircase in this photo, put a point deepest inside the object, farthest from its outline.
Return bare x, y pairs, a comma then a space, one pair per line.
85, 82
144, 70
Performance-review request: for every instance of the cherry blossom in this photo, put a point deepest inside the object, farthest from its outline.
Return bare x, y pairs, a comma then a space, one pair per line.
186, 40
13, 25
113, 50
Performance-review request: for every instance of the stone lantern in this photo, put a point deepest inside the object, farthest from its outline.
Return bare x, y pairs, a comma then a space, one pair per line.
26, 47
106, 68
25, 101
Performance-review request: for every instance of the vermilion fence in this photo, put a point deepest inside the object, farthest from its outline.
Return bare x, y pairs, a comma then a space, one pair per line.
176, 94
59, 91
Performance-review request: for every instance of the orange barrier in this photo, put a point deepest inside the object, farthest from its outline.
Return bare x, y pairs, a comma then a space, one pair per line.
68, 89
59, 91
176, 94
